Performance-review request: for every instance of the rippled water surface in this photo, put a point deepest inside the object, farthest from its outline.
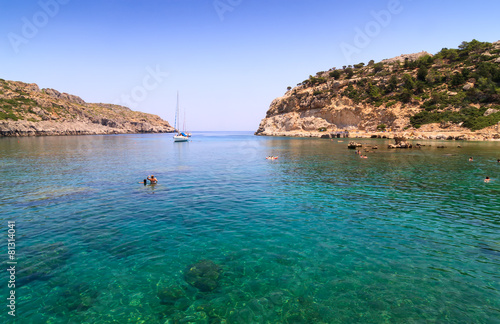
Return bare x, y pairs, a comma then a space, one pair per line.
317, 236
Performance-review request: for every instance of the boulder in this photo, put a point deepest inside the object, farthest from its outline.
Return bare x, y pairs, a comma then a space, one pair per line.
204, 275
490, 111
400, 143
468, 86
353, 145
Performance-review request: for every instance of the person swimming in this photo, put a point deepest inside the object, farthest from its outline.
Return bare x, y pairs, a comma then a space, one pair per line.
152, 179
487, 179
471, 159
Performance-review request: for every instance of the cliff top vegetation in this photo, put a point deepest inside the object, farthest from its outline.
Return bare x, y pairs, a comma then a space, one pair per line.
459, 86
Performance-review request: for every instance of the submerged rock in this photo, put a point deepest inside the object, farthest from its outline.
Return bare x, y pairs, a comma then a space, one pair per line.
79, 297
169, 295
204, 275
41, 261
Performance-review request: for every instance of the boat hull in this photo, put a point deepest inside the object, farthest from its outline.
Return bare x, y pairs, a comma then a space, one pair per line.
180, 138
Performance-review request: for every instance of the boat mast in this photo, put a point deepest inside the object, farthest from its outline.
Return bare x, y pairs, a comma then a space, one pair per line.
184, 122
176, 113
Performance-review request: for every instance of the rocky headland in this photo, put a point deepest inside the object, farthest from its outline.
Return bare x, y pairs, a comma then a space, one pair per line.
454, 94
27, 110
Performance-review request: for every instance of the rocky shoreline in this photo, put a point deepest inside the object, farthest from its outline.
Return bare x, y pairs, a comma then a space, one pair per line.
427, 132
27, 110
345, 116
52, 128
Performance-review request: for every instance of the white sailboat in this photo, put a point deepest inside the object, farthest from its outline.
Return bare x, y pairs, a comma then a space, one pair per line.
180, 137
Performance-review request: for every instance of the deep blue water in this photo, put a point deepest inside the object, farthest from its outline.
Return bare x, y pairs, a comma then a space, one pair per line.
317, 236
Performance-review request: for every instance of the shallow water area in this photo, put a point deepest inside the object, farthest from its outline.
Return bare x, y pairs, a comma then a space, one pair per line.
226, 236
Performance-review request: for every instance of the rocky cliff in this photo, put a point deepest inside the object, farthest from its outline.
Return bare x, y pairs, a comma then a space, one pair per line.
27, 110
455, 90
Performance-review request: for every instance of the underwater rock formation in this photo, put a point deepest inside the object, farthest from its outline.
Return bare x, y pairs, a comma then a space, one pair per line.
203, 275
40, 261
171, 294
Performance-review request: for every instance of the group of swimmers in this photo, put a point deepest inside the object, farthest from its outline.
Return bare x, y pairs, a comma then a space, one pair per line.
154, 180
151, 179
358, 152
487, 179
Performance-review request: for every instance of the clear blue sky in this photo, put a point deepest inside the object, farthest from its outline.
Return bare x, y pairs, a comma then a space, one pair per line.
227, 58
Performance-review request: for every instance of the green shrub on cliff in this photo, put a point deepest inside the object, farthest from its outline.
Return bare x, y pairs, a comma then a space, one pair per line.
422, 73
405, 96
10, 115
393, 84
349, 73
378, 67
470, 117
352, 93
482, 121
335, 74
312, 81
374, 92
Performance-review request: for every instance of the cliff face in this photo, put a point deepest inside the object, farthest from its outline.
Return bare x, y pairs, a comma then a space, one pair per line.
27, 110
302, 111
454, 89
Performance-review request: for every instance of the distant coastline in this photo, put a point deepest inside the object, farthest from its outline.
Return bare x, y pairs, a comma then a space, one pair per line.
27, 110
52, 128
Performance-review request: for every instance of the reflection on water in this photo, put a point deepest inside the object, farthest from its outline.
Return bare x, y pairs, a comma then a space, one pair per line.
226, 236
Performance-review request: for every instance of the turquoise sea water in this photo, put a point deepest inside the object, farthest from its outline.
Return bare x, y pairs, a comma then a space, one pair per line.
317, 236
